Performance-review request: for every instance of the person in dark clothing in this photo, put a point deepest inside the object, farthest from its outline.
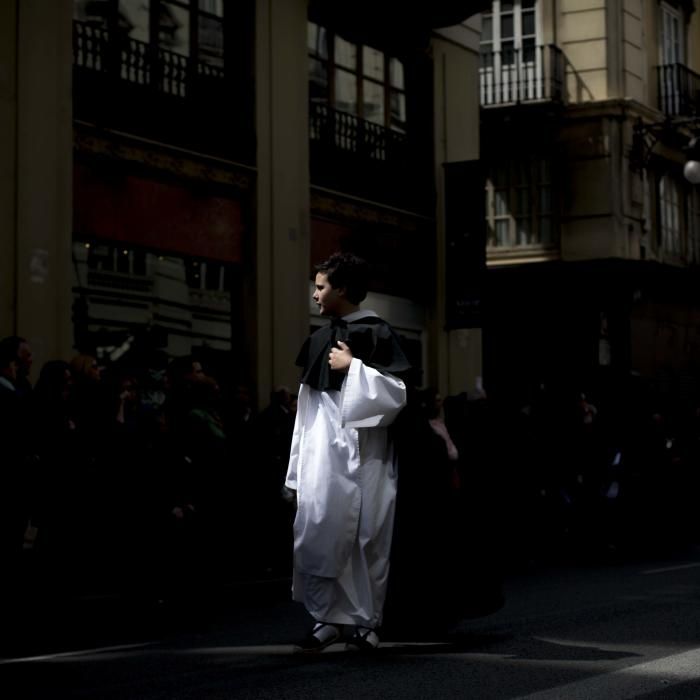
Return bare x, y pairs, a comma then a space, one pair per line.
54, 506
440, 572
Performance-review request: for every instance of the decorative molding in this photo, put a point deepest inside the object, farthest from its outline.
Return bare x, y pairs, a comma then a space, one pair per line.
520, 257
184, 164
336, 207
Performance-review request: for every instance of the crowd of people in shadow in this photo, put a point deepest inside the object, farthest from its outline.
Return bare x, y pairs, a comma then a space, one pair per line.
145, 478
150, 478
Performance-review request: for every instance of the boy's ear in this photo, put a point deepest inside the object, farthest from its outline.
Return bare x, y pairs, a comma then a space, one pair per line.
340, 291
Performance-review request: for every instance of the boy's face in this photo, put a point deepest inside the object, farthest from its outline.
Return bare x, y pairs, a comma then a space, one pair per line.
329, 300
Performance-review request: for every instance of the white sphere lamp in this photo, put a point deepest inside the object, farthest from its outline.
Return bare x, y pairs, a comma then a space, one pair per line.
691, 169
691, 172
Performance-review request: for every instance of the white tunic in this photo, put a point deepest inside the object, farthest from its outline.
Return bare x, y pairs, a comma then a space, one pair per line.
343, 468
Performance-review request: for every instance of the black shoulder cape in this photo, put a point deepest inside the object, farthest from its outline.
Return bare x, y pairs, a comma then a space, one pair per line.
369, 338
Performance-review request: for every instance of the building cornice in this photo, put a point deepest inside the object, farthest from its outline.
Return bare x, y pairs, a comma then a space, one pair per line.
93, 141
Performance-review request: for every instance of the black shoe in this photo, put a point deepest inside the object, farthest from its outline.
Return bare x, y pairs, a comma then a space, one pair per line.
364, 639
321, 636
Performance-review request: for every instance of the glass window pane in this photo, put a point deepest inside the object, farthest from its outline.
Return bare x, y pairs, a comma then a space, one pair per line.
346, 92
507, 27
526, 4
506, 6
373, 63
545, 224
317, 40
528, 20
545, 200
311, 36
101, 257
211, 40
528, 50
501, 198
95, 12
133, 16
502, 233
523, 232
487, 29
398, 110
507, 53
491, 235
396, 74
373, 102
522, 201
318, 80
214, 7
345, 53
174, 28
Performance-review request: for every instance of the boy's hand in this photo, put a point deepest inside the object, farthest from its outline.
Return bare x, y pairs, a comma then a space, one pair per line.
340, 357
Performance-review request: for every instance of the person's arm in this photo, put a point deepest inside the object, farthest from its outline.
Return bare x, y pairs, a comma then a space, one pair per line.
370, 399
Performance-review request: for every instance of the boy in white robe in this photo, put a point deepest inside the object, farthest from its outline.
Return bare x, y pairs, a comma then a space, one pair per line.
342, 463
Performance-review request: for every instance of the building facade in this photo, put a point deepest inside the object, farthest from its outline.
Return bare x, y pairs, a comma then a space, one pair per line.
593, 231
172, 169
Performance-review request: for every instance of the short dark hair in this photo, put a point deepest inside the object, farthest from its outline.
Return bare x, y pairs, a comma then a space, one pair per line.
348, 271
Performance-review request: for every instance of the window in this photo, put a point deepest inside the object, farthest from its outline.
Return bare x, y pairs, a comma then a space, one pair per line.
671, 40
188, 28
510, 62
519, 204
211, 32
674, 77
134, 19
356, 79
678, 217
208, 275
110, 258
669, 216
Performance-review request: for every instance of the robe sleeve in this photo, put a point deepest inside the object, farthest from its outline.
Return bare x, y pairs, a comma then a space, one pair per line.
369, 398
291, 479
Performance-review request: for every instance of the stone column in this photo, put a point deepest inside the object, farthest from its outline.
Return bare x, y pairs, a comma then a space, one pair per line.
8, 165
455, 359
44, 174
283, 191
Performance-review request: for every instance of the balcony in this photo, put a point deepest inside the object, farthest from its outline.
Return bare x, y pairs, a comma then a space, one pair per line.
126, 84
679, 90
358, 157
517, 76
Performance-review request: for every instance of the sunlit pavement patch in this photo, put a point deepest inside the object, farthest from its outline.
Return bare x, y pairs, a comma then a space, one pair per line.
630, 682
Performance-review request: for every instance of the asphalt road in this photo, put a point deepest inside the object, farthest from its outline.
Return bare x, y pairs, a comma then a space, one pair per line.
595, 631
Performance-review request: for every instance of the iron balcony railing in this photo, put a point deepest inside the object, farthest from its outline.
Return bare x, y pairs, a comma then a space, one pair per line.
514, 76
346, 132
138, 62
368, 160
679, 90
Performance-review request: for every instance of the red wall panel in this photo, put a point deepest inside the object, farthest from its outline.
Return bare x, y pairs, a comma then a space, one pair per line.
158, 215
